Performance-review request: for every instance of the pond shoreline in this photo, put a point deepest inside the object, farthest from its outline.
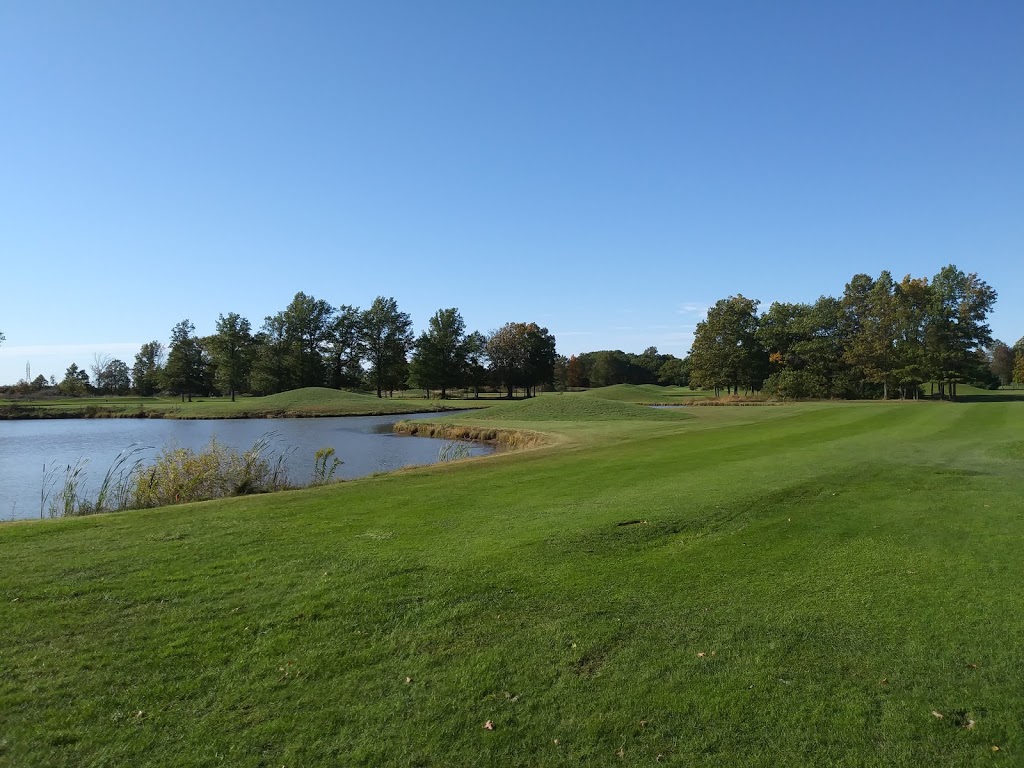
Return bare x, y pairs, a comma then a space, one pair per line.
33, 413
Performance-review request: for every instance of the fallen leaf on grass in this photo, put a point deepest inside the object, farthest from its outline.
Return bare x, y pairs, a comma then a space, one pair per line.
408, 680
557, 742
938, 715
621, 753
973, 666
995, 748
489, 725
884, 681
701, 654
969, 725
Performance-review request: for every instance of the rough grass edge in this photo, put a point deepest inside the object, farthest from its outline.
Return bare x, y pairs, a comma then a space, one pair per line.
508, 438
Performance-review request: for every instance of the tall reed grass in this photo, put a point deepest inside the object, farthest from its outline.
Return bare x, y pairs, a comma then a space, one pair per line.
176, 476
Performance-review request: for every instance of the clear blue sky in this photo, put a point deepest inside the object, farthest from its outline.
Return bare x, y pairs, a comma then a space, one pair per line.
607, 170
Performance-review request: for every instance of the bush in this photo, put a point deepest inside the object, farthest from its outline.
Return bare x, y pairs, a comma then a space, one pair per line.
181, 475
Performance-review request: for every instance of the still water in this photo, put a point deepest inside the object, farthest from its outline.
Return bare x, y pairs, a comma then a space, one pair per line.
364, 443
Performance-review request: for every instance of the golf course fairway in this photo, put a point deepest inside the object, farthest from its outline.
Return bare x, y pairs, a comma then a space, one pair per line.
790, 585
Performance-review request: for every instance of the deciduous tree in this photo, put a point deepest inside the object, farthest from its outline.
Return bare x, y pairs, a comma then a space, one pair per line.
148, 369
439, 361
231, 352
726, 352
183, 374
386, 335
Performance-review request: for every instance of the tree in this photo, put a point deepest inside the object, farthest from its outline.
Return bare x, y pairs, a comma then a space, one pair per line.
871, 306
2, 337
508, 349
308, 325
439, 361
574, 372
345, 348
475, 374
75, 383
148, 369
675, 372
386, 335
561, 373
1018, 369
1001, 361
183, 373
956, 327
726, 351
270, 370
114, 377
540, 358
230, 350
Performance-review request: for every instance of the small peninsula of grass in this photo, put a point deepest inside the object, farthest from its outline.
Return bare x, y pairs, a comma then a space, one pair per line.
809, 584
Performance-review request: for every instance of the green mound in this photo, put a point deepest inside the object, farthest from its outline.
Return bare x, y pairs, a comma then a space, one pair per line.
311, 397
572, 408
641, 393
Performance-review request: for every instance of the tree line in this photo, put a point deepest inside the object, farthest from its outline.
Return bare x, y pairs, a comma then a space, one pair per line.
882, 338
312, 343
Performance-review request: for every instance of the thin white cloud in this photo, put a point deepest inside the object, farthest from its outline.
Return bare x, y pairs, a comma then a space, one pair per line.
692, 309
34, 350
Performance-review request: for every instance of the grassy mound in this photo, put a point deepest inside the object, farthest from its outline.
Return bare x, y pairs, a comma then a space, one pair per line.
572, 407
643, 393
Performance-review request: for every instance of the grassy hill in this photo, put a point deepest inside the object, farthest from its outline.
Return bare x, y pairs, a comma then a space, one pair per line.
808, 584
308, 401
650, 394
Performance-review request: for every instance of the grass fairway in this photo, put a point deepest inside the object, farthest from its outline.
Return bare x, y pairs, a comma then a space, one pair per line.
308, 401
807, 585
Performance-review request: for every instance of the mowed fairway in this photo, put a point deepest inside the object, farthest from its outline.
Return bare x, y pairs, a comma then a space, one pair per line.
810, 584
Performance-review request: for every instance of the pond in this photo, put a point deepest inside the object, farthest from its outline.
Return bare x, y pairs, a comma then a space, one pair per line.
365, 443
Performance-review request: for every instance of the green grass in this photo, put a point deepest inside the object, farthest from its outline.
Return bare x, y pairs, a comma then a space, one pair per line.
806, 585
649, 394
309, 401
572, 407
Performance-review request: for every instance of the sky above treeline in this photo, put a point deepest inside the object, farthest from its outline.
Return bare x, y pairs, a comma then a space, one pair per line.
607, 170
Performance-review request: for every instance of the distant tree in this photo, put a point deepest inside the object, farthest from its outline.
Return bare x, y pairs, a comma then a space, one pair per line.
308, 328
674, 372
574, 372
609, 367
183, 374
114, 378
439, 359
540, 358
2, 337
1001, 360
386, 335
475, 374
230, 350
75, 383
1018, 368
508, 350
345, 348
726, 351
957, 327
561, 373
99, 363
148, 369
872, 308
39, 382
271, 372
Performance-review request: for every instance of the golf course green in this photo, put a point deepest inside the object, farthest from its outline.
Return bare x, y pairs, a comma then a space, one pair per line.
805, 584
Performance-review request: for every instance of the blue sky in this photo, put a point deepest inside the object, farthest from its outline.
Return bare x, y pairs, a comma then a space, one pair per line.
607, 170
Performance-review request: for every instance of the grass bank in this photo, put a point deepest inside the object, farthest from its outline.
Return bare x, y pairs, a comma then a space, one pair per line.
809, 584
299, 403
